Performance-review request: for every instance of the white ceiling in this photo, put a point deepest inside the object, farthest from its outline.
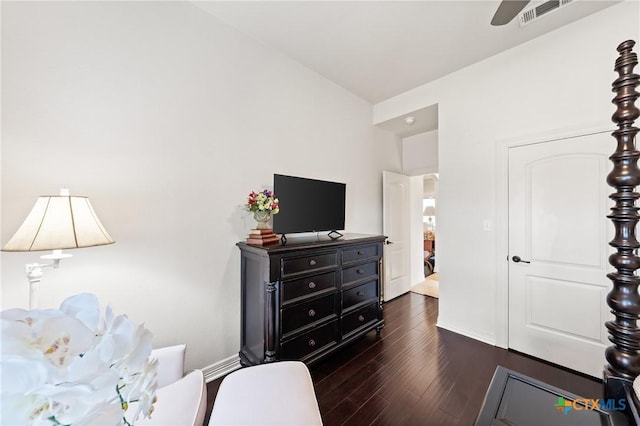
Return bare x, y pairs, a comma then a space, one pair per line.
379, 49
425, 119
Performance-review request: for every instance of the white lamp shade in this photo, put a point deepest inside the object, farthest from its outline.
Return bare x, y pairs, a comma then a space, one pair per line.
429, 211
57, 223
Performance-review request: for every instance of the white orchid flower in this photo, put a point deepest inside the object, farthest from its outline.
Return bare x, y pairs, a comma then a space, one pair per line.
85, 307
68, 366
142, 389
56, 339
19, 379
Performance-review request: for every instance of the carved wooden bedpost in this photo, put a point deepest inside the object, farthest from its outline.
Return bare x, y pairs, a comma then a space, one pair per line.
623, 356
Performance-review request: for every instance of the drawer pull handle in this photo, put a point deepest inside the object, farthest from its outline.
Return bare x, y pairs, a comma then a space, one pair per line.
312, 343
361, 318
312, 313
312, 285
312, 262
359, 253
360, 293
359, 271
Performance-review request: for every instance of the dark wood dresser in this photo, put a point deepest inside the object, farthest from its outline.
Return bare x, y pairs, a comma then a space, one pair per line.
307, 298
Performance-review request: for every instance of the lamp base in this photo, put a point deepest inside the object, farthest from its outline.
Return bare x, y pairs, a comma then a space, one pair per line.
34, 274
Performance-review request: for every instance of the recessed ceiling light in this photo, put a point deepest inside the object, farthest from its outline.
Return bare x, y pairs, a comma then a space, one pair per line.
410, 120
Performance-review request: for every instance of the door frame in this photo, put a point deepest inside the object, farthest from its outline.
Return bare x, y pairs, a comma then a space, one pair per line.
502, 213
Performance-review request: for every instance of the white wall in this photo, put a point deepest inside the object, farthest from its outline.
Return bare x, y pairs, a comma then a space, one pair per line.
419, 157
430, 184
555, 83
420, 154
166, 119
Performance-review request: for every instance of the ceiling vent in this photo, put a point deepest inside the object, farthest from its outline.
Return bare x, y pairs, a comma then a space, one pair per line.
540, 10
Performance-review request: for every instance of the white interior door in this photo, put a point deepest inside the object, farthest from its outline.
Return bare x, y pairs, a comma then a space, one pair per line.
558, 202
395, 202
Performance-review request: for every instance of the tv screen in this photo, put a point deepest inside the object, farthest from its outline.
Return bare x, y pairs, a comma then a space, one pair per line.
308, 205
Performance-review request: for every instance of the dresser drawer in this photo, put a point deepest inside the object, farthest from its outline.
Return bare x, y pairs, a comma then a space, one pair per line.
358, 273
308, 286
298, 316
360, 294
311, 342
359, 318
359, 253
309, 263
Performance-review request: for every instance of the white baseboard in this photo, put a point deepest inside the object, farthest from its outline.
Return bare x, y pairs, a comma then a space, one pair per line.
221, 368
490, 340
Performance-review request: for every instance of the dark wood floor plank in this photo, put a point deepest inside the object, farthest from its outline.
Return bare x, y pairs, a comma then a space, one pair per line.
362, 392
340, 413
399, 375
344, 372
417, 374
434, 369
368, 412
330, 400
399, 410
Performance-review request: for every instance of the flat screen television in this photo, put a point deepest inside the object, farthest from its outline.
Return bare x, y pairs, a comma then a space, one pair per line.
308, 205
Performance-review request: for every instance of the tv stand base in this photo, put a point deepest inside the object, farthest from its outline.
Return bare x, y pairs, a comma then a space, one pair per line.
334, 235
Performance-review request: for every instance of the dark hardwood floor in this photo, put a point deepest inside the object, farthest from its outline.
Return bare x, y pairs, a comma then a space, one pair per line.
417, 374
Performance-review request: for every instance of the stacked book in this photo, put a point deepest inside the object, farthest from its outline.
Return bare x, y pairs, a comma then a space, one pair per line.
262, 237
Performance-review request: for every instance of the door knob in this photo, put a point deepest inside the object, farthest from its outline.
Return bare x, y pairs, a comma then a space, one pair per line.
517, 259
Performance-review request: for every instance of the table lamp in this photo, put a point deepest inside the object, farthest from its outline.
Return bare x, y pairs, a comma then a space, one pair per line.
429, 212
56, 222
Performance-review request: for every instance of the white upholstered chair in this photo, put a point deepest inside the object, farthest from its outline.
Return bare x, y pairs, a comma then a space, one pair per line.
182, 398
278, 393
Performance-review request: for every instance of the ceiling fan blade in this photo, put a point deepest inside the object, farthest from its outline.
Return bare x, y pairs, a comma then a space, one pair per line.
508, 10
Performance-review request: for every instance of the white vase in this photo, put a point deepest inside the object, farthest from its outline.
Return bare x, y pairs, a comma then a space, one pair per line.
262, 217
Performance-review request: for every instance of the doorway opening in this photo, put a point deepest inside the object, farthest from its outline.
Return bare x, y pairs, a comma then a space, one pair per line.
429, 235
430, 285
419, 152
